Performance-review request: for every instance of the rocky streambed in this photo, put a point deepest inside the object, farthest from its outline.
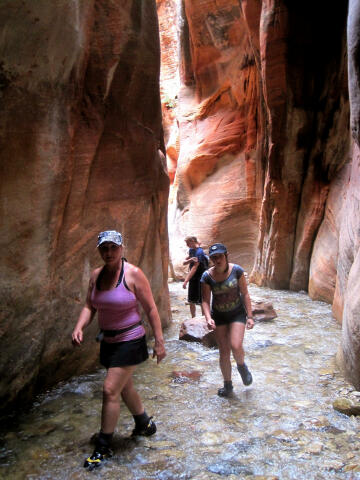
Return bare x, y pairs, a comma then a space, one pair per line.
284, 426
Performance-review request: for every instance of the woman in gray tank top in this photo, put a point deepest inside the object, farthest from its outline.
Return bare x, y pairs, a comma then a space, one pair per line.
229, 314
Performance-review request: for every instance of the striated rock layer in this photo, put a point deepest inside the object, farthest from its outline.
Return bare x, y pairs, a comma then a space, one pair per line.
80, 135
264, 158
216, 190
346, 298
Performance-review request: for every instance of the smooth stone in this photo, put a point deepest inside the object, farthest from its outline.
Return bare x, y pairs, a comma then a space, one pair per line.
346, 406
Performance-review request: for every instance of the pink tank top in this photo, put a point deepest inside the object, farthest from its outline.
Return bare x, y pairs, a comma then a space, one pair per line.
117, 308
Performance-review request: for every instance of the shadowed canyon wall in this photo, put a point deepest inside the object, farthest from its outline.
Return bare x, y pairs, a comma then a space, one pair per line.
260, 145
81, 141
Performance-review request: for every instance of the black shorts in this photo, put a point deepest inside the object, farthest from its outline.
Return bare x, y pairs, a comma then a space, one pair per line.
226, 320
123, 354
194, 290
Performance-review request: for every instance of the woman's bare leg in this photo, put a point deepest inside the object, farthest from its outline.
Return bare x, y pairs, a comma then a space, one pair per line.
237, 331
115, 381
223, 341
132, 399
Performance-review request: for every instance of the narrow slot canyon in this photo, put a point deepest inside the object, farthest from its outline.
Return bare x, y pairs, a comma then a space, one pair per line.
233, 121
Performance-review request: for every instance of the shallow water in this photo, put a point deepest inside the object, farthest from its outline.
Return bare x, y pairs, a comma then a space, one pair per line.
282, 426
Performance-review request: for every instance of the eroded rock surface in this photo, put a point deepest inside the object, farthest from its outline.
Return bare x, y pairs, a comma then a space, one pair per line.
266, 161
217, 186
80, 135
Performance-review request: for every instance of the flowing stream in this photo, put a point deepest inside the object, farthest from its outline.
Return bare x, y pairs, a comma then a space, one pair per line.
281, 427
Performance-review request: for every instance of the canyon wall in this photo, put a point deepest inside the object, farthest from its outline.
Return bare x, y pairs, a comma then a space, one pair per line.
264, 158
346, 298
215, 142
81, 151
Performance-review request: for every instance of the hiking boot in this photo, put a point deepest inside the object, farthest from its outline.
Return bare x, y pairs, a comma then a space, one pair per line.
97, 458
245, 374
148, 429
225, 391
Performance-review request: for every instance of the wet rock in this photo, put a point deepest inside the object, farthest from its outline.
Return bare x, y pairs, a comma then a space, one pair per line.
283, 436
333, 465
184, 377
309, 351
314, 448
39, 454
229, 468
158, 445
320, 423
333, 430
173, 453
303, 404
264, 477
68, 428
263, 311
78, 411
347, 406
242, 447
326, 372
263, 344
352, 467
196, 330
217, 438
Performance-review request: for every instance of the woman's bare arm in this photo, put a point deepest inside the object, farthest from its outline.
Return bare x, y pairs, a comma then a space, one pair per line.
140, 285
247, 300
206, 295
87, 313
191, 273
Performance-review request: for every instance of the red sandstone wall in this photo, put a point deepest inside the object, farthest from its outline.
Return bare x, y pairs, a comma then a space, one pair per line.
80, 129
264, 158
347, 299
217, 187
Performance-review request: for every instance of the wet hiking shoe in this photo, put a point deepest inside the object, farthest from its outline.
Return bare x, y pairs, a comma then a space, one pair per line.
225, 391
97, 458
148, 429
245, 374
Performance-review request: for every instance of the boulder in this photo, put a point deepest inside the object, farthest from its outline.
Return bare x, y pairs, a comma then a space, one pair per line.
196, 330
263, 311
347, 406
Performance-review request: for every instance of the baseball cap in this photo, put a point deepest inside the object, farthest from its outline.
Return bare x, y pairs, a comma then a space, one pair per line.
217, 248
109, 236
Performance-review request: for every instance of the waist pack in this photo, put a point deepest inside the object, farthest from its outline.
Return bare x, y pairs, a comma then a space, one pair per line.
112, 333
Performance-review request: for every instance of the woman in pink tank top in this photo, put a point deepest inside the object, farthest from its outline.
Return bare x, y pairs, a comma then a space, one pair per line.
115, 292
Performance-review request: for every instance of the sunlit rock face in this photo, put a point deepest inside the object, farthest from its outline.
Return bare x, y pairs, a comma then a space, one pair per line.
263, 132
217, 187
264, 158
325, 254
80, 135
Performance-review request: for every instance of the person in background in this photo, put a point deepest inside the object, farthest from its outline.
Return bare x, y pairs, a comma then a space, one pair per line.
229, 314
198, 263
114, 292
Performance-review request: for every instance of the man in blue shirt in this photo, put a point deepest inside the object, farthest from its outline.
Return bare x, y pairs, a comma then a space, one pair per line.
198, 263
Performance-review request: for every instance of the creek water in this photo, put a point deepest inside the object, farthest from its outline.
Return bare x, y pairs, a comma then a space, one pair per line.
281, 427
